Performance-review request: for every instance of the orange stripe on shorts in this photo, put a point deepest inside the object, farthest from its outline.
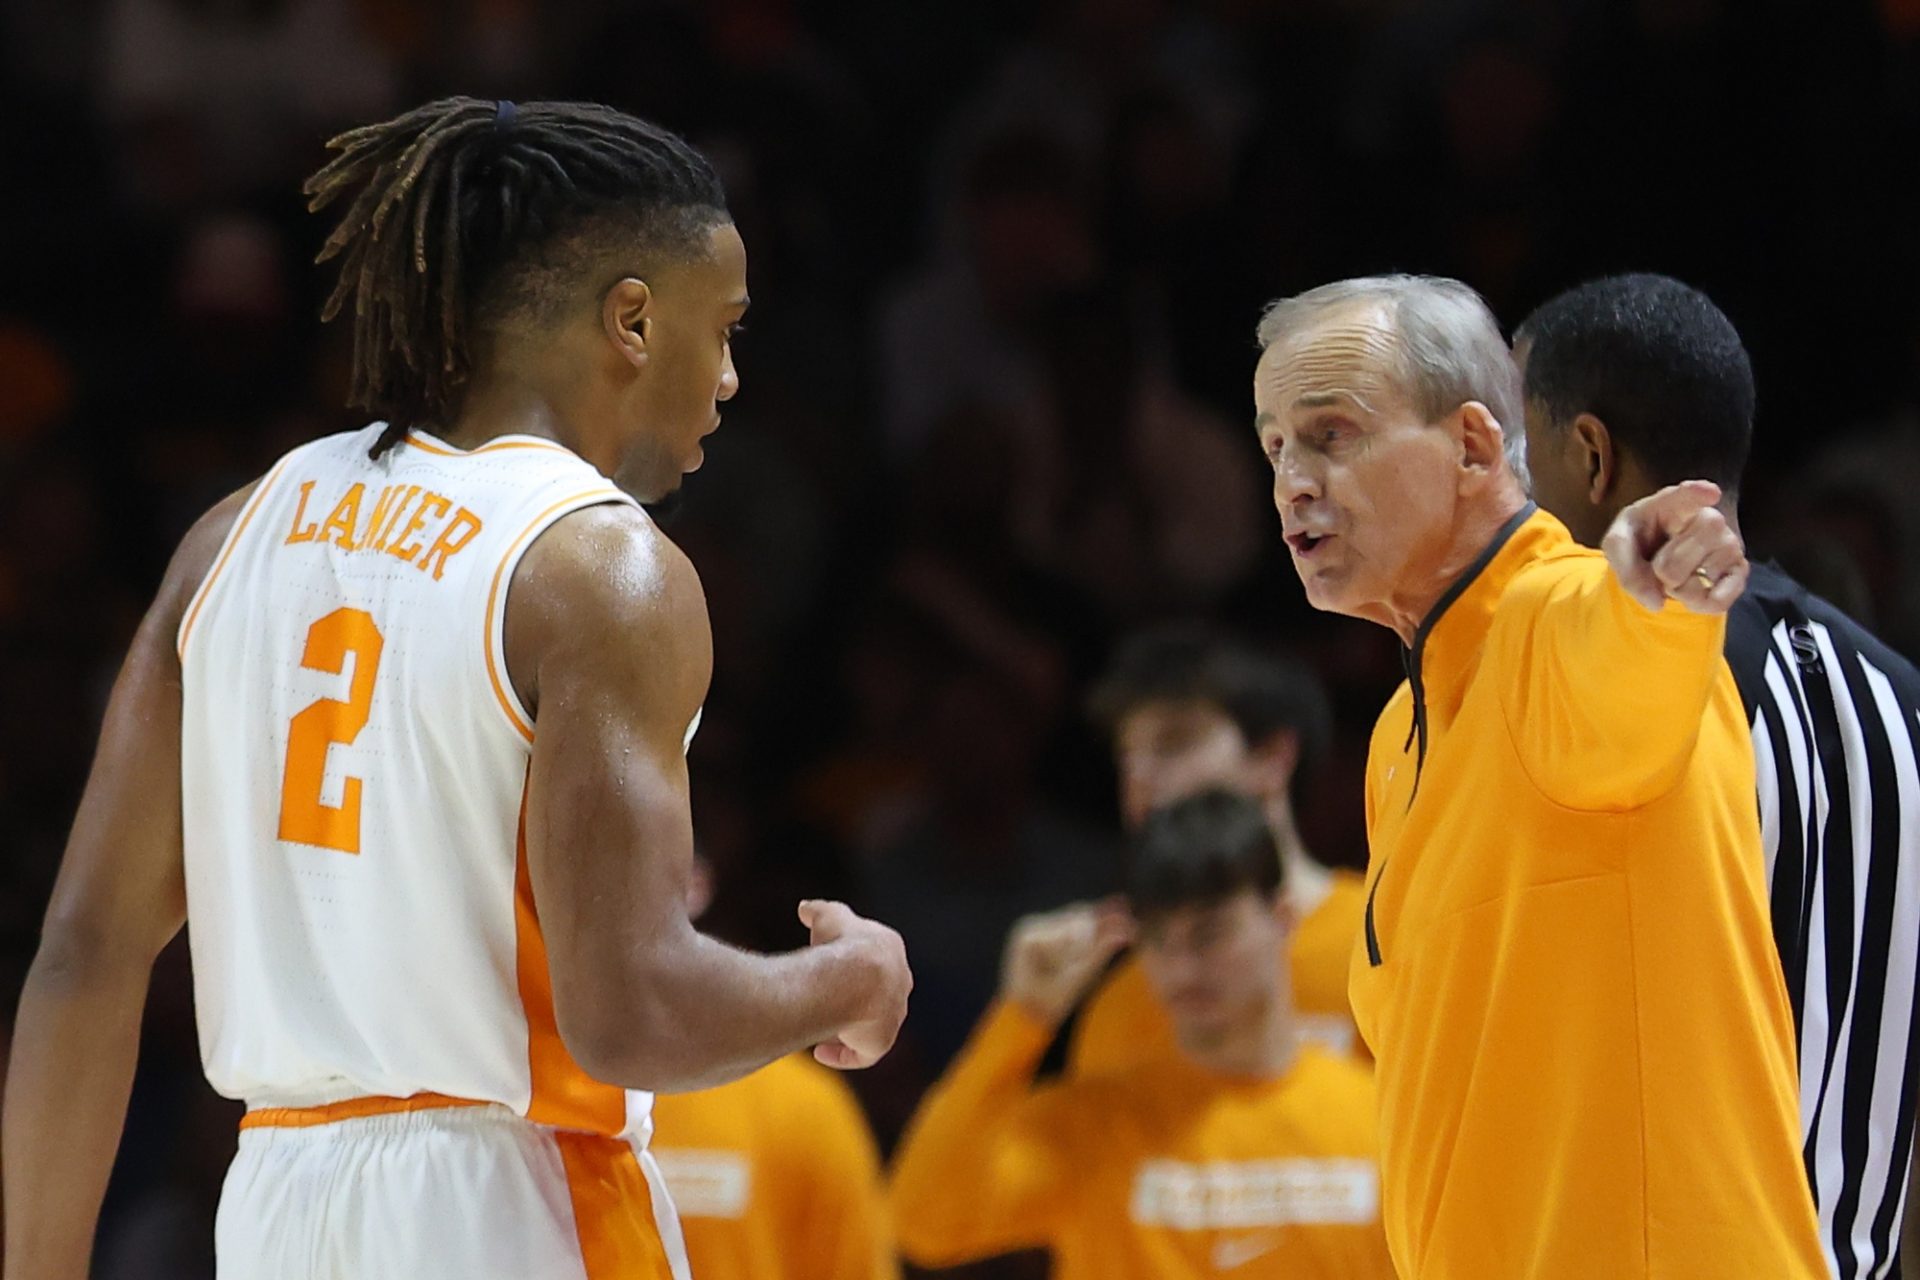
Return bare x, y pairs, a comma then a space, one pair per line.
612, 1209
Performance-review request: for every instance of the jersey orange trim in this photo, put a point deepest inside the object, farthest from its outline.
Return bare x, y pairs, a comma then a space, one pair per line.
412, 441
539, 522
612, 1209
247, 512
351, 1109
562, 1095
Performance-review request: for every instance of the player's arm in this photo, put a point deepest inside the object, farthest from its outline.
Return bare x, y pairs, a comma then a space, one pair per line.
607, 642
988, 1163
1604, 693
120, 898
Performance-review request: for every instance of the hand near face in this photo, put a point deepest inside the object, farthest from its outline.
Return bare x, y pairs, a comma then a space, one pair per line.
1675, 545
1053, 957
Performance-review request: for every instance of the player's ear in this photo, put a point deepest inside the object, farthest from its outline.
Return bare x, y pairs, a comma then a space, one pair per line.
1283, 912
626, 317
1271, 764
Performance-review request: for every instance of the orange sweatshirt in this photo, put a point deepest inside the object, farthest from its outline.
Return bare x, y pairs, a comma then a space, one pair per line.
1583, 1046
776, 1177
1163, 1171
1124, 1024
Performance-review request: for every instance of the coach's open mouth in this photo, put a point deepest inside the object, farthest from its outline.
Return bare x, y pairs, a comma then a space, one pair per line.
1305, 544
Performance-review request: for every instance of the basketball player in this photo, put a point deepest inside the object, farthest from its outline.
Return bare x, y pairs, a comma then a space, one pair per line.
1188, 709
1247, 1152
1584, 1050
403, 737
1632, 381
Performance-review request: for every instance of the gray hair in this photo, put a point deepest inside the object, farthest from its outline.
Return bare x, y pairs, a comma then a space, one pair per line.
1448, 345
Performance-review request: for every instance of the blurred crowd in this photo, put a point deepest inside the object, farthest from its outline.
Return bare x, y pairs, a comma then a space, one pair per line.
1006, 262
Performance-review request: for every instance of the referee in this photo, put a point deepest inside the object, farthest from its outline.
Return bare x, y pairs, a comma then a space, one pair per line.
1634, 382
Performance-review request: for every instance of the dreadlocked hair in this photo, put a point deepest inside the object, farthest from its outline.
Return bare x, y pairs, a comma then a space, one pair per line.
463, 208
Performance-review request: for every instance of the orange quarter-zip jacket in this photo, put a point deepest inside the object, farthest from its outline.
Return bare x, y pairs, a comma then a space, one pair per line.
1583, 1046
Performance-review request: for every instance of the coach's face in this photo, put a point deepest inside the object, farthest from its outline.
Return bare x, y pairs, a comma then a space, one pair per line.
1369, 491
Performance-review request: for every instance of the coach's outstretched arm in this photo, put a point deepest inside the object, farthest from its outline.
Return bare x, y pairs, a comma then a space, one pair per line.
120, 898
608, 644
1609, 679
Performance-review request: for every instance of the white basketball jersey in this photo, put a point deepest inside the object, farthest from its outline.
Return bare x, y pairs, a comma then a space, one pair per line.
354, 763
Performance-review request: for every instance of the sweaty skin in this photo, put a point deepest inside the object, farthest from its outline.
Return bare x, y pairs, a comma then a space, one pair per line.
608, 642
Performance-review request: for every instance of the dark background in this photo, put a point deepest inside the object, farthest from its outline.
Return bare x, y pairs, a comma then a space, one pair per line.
1006, 261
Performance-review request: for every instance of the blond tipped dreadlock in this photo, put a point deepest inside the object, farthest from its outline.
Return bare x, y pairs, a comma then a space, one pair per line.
456, 206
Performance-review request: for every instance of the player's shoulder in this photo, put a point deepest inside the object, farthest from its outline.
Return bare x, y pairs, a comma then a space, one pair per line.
606, 563
1336, 1081
1123, 986
1332, 1099
1336, 1072
796, 1095
603, 601
610, 532
1346, 892
199, 548
805, 1087
1129, 1093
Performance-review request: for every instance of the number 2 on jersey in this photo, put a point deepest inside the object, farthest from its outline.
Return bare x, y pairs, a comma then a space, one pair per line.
303, 818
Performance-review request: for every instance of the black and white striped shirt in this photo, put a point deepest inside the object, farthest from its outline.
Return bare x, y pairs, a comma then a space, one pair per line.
1836, 737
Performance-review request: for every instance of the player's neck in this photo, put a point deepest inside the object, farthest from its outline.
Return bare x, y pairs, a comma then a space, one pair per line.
514, 402
1306, 880
1264, 1047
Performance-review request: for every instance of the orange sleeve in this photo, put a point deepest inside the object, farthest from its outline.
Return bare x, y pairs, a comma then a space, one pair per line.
839, 1226
1603, 699
1120, 1026
987, 1164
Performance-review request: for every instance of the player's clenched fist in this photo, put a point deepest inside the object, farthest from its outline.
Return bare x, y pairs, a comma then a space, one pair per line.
865, 1041
1675, 545
1053, 957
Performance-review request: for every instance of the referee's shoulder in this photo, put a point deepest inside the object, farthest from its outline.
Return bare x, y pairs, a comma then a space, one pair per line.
1774, 597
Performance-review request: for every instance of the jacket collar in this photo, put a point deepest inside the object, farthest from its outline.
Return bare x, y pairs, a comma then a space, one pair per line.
1446, 646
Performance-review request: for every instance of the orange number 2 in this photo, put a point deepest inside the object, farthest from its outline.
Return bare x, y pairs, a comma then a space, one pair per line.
303, 818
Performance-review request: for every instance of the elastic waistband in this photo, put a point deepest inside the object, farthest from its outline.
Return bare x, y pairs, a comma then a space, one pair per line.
350, 1109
